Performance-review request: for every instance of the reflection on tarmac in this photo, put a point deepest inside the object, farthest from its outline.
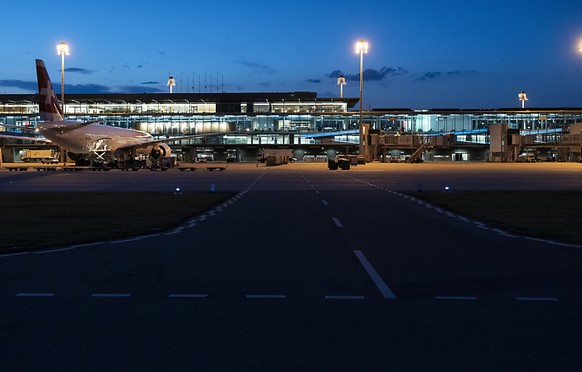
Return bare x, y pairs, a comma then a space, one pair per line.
428, 176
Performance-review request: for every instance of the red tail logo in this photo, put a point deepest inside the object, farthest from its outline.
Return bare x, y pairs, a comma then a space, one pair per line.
48, 103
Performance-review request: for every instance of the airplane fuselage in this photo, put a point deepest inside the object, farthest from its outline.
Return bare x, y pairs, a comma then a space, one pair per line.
94, 137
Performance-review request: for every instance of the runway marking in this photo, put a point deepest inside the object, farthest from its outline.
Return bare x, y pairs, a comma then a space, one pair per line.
566, 245
177, 230
261, 296
538, 240
14, 254
113, 295
481, 225
58, 250
317, 191
505, 233
183, 295
125, 240
334, 297
376, 278
337, 222
35, 294
461, 298
552, 299
324, 202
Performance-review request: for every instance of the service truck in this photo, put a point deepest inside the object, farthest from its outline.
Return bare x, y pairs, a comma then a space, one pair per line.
43, 156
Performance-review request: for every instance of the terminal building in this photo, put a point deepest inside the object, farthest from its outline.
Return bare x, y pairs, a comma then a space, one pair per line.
239, 126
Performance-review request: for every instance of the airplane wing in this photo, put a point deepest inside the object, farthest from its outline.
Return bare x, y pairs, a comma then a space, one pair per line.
171, 139
27, 138
70, 127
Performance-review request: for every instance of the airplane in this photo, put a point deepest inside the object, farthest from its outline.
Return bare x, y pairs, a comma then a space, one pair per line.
91, 141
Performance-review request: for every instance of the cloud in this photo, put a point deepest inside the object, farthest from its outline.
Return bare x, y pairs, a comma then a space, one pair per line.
430, 75
22, 84
435, 74
370, 74
257, 67
334, 74
135, 89
86, 89
315, 81
83, 71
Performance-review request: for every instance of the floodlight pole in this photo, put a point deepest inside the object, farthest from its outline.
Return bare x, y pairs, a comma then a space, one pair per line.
522, 97
62, 49
362, 47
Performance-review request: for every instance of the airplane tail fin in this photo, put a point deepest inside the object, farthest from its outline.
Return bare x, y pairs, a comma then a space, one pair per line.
48, 103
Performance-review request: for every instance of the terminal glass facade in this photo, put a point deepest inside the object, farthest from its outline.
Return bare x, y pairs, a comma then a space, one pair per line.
270, 119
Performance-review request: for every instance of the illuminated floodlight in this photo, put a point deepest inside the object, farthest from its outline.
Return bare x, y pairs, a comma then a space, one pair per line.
522, 97
62, 48
361, 47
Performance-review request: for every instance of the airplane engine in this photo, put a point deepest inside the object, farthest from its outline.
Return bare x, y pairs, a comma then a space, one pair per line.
160, 150
74, 156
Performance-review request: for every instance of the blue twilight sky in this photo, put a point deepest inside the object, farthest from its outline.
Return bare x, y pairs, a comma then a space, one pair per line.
423, 54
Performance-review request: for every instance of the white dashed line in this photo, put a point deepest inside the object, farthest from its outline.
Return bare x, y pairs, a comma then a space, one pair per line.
334, 297
461, 298
547, 299
113, 295
35, 294
337, 222
183, 295
261, 296
324, 202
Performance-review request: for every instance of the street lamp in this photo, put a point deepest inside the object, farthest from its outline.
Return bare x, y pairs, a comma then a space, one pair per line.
171, 83
341, 82
361, 48
62, 50
522, 97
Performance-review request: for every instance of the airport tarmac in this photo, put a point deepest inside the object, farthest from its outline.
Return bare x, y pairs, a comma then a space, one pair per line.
396, 176
304, 269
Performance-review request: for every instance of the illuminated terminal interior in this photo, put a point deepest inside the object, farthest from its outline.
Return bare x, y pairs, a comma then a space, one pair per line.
308, 124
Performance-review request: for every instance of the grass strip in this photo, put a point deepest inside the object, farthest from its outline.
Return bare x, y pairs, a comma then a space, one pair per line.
552, 215
34, 220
